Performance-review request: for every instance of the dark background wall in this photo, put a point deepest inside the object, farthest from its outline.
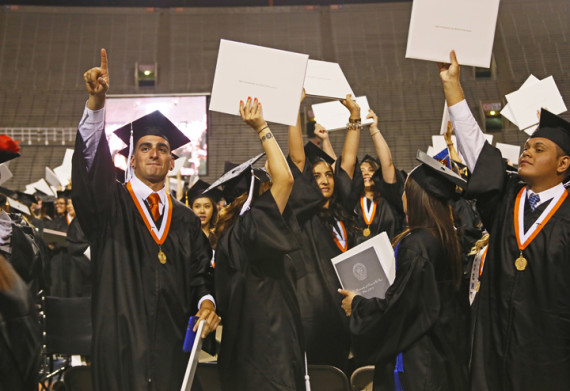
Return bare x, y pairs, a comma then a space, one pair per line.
45, 50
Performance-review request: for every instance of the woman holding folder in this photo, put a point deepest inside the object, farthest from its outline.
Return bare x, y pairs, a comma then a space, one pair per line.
324, 195
416, 335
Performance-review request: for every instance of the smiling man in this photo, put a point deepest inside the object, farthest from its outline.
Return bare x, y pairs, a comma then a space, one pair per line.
521, 333
150, 257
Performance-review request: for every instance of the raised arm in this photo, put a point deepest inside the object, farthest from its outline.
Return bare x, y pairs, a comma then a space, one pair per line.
323, 135
350, 149
97, 83
470, 138
296, 147
281, 177
449, 141
382, 150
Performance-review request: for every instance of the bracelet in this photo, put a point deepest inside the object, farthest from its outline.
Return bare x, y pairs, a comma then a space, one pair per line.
262, 129
354, 121
373, 134
354, 125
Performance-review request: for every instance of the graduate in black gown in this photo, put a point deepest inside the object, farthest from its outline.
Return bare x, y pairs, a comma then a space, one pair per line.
262, 346
416, 335
323, 198
375, 212
148, 252
521, 335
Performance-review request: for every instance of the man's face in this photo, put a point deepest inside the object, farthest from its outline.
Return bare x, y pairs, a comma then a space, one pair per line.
60, 205
539, 160
152, 159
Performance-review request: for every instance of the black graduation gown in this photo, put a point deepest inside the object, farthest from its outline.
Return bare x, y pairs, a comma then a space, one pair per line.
140, 307
421, 316
325, 325
20, 336
58, 223
522, 318
261, 344
389, 217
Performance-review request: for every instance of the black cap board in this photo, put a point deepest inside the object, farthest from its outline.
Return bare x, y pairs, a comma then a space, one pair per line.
435, 178
153, 124
236, 180
197, 191
555, 129
315, 154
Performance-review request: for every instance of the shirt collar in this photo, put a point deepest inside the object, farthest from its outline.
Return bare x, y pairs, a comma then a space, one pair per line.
547, 194
143, 191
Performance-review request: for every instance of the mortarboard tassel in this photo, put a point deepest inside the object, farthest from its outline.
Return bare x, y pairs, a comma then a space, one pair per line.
129, 171
247, 202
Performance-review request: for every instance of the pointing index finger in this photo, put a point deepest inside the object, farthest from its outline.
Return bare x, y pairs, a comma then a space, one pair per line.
104, 60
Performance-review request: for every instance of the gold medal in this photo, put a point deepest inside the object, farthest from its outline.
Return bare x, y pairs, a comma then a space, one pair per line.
162, 257
366, 232
478, 286
520, 263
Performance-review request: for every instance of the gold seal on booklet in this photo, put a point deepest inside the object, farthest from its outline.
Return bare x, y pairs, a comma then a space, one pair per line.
366, 232
520, 263
162, 257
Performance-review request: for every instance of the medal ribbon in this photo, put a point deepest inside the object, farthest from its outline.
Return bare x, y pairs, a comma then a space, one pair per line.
340, 236
524, 238
368, 213
146, 218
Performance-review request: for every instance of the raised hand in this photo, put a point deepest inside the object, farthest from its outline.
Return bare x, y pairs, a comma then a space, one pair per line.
372, 115
252, 114
97, 83
449, 72
321, 132
352, 106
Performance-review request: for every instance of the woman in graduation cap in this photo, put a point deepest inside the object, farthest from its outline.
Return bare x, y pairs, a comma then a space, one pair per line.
204, 205
416, 335
324, 195
261, 344
380, 206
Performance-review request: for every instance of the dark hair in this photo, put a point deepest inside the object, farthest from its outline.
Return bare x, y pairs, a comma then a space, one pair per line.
377, 198
335, 210
228, 215
433, 214
214, 217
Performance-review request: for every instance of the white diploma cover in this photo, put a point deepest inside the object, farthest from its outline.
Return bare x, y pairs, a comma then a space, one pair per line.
367, 269
334, 115
326, 79
275, 77
510, 152
466, 26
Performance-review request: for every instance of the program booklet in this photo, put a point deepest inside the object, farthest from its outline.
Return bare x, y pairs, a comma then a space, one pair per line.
367, 269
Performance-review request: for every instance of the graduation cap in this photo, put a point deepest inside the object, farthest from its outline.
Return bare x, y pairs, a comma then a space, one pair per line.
24, 198
64, 193
555, 129
443, 157
153, 124
235, 181
316, 154
9, 148
435, 178
197, 191
45, 198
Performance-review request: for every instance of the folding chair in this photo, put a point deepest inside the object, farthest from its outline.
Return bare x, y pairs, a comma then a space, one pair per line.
361, 379
327, 378
208, 375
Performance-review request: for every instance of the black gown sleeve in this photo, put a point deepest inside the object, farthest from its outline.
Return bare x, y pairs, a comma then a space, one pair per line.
381, 328
349, 190
93, 190
489, 183
391, 192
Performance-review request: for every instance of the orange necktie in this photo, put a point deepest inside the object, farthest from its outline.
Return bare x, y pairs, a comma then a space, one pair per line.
153, 201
